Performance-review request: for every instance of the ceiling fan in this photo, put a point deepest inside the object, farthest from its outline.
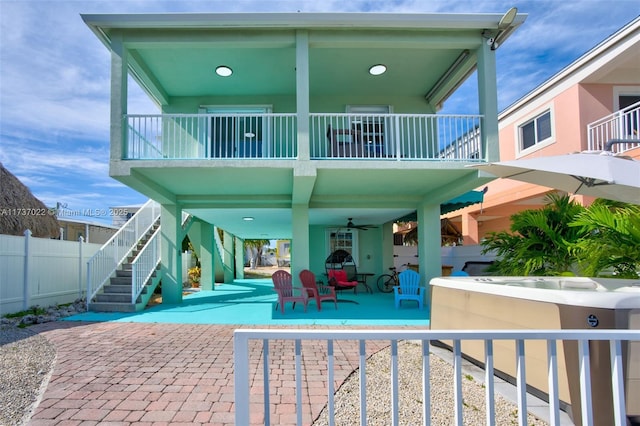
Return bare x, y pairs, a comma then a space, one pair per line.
351, 225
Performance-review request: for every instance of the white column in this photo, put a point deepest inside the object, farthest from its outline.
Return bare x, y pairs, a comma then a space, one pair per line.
228, 257
171, 253
488, 101
239, 257
119, 90
302, 93
429, 253
207, 243
300, 254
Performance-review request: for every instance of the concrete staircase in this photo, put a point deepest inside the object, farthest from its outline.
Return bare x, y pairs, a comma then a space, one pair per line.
116, 295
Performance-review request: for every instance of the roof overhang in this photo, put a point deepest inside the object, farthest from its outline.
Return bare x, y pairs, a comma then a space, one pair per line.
172, 55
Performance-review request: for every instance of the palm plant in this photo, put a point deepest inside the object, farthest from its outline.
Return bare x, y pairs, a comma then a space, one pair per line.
540, 241
613, 241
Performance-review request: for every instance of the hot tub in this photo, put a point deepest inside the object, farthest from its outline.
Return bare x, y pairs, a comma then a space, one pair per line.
491, 303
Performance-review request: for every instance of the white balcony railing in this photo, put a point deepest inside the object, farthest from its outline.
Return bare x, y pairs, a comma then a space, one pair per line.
207, 136
621, 126
331, 136
252, 362
396, 136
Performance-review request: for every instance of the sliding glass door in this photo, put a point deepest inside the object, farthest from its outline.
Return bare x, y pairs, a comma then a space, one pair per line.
237, 132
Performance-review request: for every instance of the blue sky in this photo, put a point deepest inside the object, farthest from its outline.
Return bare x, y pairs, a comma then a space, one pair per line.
54, 77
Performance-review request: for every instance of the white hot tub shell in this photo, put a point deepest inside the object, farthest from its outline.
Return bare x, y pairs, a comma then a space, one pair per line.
499, 303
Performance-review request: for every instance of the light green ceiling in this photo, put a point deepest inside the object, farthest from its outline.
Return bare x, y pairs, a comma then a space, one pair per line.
271, 71
191, 72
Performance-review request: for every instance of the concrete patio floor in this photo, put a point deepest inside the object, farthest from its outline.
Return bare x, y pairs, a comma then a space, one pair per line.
252, 301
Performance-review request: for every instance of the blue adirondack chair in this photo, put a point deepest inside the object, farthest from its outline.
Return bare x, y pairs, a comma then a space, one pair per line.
409, 288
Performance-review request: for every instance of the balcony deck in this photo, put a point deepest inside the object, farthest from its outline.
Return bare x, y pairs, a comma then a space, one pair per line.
387, 137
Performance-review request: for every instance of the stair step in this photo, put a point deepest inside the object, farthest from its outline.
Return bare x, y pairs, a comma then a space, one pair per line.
115, 298
124, 273
120, 281
112, 307
121, 289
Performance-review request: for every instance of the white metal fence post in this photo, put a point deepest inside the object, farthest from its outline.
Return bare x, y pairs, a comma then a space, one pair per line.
80, 241
27, 262
88, 284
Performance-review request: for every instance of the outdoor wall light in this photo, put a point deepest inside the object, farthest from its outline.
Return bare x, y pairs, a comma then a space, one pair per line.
224, 71
378, 69
247, 218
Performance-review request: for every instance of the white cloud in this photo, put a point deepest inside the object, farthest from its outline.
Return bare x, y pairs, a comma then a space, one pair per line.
55, 84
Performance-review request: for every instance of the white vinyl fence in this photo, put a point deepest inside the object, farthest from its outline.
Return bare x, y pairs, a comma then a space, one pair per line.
41, 271
454, 256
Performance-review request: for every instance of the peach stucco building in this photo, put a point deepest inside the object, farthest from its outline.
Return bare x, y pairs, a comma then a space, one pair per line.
589, 102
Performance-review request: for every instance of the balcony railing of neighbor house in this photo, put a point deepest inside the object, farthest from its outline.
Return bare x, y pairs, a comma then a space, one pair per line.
257, 353
396, 136
332, 136
210, 136
105, 262
621, 126
144, 265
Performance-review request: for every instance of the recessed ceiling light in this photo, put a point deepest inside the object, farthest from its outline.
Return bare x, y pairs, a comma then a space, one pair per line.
247, 218
378, 69
224, 71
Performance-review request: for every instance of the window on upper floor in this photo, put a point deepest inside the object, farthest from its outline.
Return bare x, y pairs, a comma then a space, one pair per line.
535, 131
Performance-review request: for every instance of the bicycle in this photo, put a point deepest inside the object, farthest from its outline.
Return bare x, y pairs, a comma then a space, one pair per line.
386, 282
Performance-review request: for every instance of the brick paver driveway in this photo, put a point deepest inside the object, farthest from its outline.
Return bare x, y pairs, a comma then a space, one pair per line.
153, 374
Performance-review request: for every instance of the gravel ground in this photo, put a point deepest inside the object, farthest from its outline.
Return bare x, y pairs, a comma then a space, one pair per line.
26, 363
347, 406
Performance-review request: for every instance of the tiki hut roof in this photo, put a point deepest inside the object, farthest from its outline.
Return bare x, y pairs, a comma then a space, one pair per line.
449, 234
20, 210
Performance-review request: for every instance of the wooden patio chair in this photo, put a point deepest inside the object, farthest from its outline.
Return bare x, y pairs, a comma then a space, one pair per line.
409, 288
283, 285
319, 292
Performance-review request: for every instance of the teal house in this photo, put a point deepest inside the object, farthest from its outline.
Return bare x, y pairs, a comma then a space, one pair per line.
300, 126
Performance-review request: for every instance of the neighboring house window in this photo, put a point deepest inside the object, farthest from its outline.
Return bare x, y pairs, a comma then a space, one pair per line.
535, 131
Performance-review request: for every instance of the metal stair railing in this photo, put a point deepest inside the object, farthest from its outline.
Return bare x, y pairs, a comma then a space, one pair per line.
112, 254
144, 265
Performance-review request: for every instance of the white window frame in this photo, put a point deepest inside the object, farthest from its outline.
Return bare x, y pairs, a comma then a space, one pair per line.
520, 151
354, 241
623, 91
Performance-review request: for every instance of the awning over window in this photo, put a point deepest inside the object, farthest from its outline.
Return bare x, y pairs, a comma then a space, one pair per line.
461, 201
